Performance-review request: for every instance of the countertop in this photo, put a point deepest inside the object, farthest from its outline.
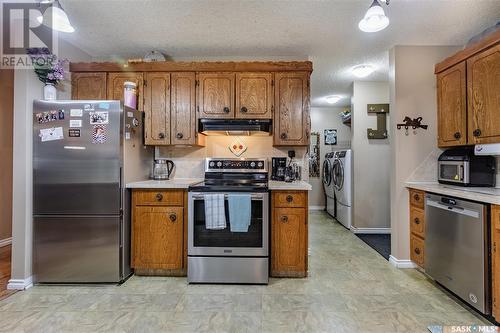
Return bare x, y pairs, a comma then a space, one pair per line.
489, 195
182, 183
299, 185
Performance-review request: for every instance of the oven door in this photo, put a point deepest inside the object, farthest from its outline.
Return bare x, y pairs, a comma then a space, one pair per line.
205, 242
453, 172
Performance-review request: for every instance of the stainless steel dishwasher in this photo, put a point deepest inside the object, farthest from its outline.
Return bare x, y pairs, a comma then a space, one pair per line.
456, 249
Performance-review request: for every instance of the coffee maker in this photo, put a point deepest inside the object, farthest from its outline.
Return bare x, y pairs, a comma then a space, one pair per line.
278, 168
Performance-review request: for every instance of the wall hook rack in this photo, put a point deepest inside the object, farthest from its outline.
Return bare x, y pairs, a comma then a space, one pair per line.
413, 123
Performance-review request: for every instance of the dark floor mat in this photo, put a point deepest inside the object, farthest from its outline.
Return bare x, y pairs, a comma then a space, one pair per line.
379, 242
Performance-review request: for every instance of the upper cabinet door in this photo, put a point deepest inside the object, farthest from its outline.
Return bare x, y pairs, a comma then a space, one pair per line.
483, 81
452, 106
254, 95
291, 114
157, 109
88, 85
216, 95
115, 86
183, 109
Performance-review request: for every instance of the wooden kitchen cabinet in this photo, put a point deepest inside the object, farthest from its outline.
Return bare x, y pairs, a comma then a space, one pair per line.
483, 82
216, 95
115, 86
452, 106
157, 108
495, 261
291, 115
88, 86
468, 94
159, 232
417, 226
254, 95
288, 237
183, 110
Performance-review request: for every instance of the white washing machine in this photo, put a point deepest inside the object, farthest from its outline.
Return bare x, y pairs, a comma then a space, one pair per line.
328, 183
342, 184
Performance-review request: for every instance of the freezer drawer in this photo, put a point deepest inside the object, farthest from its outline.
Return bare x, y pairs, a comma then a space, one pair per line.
76, 249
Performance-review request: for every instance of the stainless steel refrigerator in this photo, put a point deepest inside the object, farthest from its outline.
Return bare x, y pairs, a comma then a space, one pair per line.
84, 152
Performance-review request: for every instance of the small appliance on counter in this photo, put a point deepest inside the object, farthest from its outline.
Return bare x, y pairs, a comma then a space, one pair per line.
278, 168
460, 166
162, 169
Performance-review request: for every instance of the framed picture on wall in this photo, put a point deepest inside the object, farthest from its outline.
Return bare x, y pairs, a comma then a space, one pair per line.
330, 137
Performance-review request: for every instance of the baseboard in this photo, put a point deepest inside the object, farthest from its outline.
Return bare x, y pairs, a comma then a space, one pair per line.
370, 230
401, 263
20, 284
5, 242
316, 207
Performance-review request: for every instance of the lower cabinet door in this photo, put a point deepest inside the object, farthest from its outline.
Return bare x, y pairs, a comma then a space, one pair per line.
158, 237
289, 242
417, 250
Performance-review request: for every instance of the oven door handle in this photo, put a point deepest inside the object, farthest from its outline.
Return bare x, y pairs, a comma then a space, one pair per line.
253, 196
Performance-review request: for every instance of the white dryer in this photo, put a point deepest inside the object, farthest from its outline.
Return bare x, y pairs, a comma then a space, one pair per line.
342, 184
328, 183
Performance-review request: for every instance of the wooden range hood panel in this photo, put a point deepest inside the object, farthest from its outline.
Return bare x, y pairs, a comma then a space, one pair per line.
205, 66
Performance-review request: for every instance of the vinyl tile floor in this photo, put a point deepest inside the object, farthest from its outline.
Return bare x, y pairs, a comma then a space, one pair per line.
351, 288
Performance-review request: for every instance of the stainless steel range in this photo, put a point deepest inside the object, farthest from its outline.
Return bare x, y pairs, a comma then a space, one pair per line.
222, 253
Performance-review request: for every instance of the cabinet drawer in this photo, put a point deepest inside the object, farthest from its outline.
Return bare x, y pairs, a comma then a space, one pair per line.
417, 221
417, 198
417, 250
158, 197
290, 199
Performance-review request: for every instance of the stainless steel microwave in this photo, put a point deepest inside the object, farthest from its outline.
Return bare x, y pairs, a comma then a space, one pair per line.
459, 166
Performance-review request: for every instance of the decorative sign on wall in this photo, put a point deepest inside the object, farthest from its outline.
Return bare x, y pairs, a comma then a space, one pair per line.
330, 137
237, 147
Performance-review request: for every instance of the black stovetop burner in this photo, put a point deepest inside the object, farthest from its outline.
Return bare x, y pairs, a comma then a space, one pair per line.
233, 175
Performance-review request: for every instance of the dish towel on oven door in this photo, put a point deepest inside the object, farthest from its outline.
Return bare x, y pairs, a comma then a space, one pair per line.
215, 214
240, 206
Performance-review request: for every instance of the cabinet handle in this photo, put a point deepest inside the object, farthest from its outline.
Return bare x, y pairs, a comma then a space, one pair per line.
226, 109
477, 132
284, 219
179, 135
416, 197
457, 135
161, 135
289, 198
283, 136
417, 220
159, 197
417, 250
173, 217
244, 110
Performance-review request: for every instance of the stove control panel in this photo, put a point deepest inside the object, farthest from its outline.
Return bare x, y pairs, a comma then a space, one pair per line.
236, 165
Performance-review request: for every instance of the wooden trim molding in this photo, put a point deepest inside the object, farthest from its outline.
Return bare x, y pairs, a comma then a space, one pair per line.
484, 43
206, 66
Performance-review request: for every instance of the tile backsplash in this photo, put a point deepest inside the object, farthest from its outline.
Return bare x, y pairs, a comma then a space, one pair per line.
189, 160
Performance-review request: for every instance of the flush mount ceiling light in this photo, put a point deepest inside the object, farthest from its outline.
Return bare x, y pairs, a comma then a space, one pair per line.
55, 17
333, 99
375, 19
362, 70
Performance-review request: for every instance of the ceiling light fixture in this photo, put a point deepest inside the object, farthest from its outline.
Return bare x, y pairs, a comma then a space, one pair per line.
375, 19
362, 71
56, 18
333, 99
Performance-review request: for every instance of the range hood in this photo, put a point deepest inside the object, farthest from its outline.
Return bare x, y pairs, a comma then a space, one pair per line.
240, 127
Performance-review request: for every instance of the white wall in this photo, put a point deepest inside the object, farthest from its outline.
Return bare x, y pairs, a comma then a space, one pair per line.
326, 118
27, 88
371, 206
413, 157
